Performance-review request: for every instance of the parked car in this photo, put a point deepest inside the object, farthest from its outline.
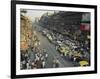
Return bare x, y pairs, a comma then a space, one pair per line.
58, 43
83, 63
49, 37
63, 49
44, 32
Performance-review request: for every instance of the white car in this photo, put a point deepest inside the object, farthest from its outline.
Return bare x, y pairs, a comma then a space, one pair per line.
49, 37
44, 33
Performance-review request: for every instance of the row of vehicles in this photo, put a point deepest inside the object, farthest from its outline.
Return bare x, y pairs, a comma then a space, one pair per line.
73, 55
66, 48
45, 33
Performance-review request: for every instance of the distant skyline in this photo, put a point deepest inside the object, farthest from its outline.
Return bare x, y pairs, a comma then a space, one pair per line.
32, 14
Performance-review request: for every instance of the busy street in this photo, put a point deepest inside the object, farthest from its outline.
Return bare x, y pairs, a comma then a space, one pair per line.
47, 43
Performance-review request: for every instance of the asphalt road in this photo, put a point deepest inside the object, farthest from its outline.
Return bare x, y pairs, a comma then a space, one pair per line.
52, 52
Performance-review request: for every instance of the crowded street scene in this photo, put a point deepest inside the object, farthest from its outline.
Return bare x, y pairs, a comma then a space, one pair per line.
54, 39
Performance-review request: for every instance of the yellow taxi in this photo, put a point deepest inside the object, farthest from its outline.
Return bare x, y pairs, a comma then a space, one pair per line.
63, 50
83, 63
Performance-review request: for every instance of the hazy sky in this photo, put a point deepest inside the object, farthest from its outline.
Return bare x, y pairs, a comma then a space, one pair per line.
36, 13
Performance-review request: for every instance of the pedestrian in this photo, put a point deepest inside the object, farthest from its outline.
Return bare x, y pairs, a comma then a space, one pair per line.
21, 65
40, 55
43, 64
37, 58
57, 63
54, 62
24, 65
26, 56
32, 65
27, 64
39, 64
46, 56
44, 50
42, 58
74, 59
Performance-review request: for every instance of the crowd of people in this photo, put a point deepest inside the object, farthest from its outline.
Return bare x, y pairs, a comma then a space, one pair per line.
37, 61
35, 57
